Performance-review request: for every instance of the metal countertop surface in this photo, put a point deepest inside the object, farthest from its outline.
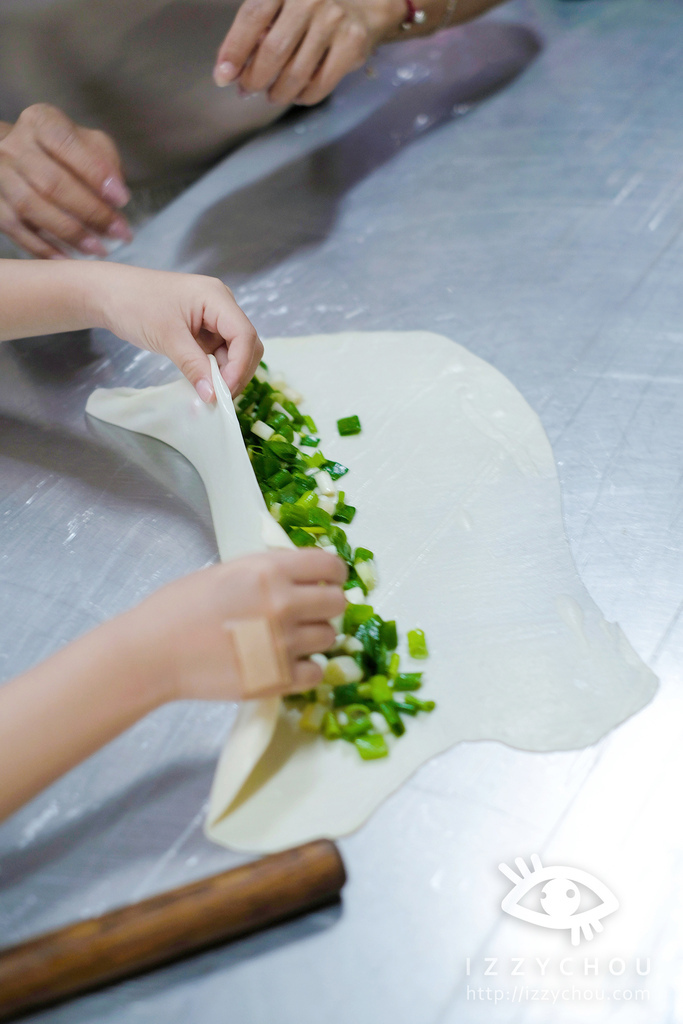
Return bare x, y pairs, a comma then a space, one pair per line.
516, 186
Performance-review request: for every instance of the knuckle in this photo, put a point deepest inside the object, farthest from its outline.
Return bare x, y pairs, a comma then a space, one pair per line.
257, 10
356, 34
39, 114
47, 181
274, 47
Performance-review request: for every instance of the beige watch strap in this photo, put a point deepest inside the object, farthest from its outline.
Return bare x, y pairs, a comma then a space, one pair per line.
261, 656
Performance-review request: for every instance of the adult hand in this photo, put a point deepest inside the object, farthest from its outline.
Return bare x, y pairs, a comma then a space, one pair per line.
181, 316
299, 50
60, 184
183, 625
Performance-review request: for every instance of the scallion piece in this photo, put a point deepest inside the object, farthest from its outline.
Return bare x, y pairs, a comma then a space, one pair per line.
380, 689
348, 425
371, 746
359, 721
420, 705
335, 469
310, 441
300, 537
388, 635
408, 681
417, 644
363, 555
354, 615
331, 729
392, 717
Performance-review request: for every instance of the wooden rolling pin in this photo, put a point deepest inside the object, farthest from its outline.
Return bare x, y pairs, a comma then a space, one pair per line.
123, 942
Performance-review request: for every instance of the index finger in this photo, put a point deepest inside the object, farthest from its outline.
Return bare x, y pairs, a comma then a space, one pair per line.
253, 19
242, 343
312, 565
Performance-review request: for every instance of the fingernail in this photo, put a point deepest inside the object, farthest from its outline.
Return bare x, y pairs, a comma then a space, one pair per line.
92, 246
204, 390
225, 73
115, 191
119, 229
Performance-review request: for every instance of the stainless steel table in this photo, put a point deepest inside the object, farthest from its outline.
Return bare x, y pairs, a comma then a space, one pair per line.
517, 186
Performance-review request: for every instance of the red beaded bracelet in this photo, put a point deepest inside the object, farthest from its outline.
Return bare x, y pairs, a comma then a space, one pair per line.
414, 16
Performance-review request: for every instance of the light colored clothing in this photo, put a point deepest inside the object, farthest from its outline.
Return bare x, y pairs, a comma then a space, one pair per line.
138, 69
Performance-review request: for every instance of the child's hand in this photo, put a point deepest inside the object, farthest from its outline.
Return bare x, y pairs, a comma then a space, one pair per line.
188, 625
182, 316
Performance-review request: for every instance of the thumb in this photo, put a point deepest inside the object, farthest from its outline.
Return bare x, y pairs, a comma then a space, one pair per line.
194, 363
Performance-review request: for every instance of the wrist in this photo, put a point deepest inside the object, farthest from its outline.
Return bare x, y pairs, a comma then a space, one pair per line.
389, 16
142, 676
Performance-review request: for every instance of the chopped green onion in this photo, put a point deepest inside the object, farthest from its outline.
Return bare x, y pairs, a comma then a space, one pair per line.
310, 441
392, 717
301, 538
345, 694
283, 450
371, 746
343, 513
315, 461
394, 663
417, 644
348, 425
335, 469
408, 681
388, 634
354, 615
420, 705
291, 408
309, 500
310, 424
359, 721
330, 728
363, 555
312, 718
380, 689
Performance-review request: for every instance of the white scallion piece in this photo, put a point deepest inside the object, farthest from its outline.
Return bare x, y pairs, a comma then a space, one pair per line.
368, 573
327, 504
261, 375
342, 669
319, 659
312, 717
324, 482
291, 395
354, 595
352, 645
280, 408
262, 430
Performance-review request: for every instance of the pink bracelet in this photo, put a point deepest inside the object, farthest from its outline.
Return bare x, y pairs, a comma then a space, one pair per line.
414, 16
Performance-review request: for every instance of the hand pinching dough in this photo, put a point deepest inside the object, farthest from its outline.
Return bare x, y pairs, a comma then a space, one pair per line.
458, 497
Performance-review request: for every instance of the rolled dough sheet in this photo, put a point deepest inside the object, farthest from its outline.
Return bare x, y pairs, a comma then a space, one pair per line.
458, 496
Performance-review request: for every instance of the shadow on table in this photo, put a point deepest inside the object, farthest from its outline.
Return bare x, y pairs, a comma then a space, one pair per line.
294, 207
124, 827
137, 470
120, 822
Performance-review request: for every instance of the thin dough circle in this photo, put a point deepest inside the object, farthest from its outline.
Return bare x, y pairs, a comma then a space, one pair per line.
458, 496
